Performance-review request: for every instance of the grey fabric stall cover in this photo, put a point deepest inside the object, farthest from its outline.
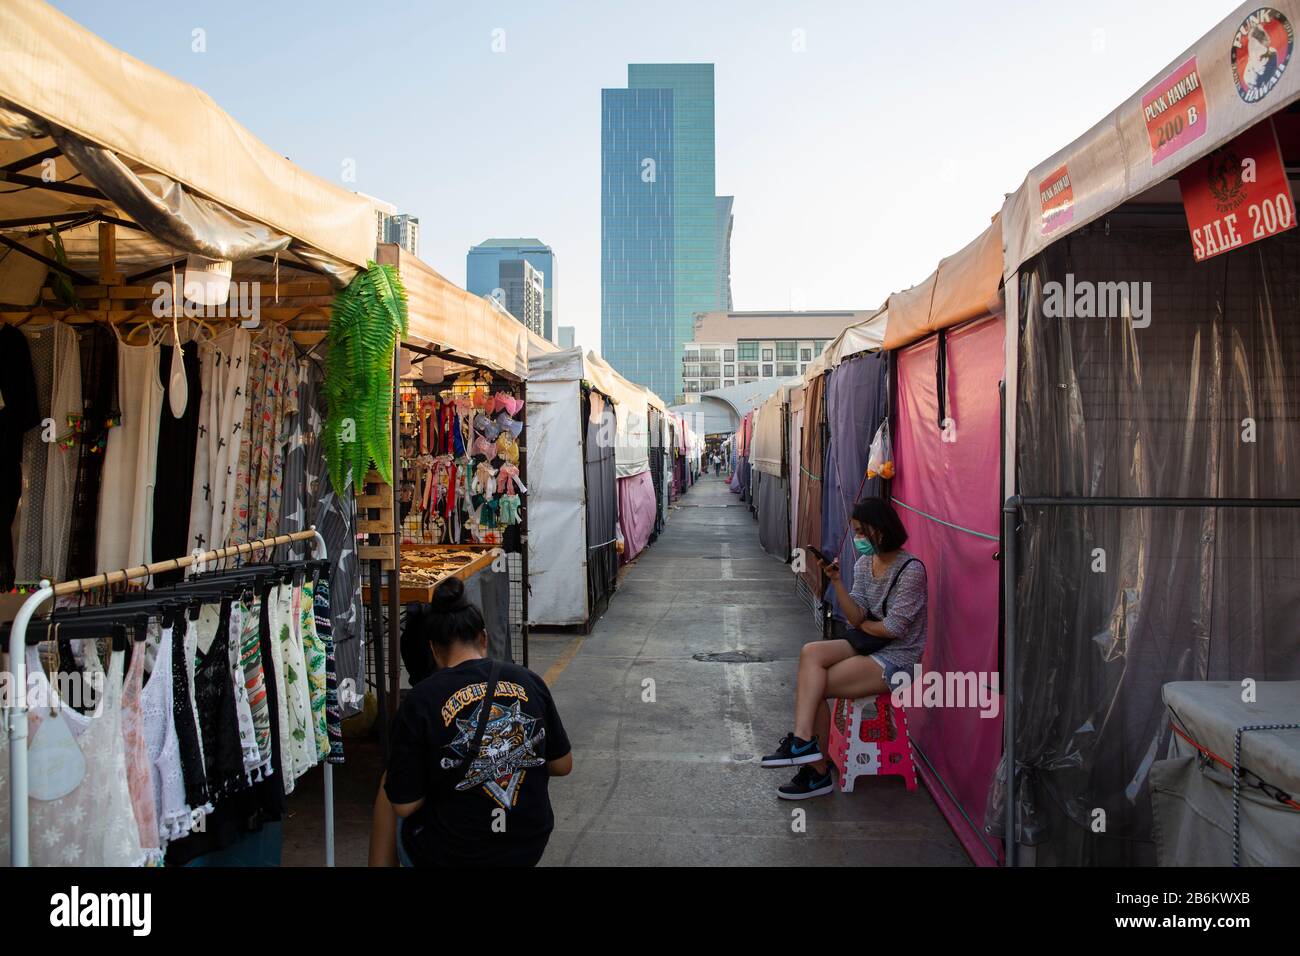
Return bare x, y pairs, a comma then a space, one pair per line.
309, 499
1184, 593
773, 500
657, 469
856, 398
602, 501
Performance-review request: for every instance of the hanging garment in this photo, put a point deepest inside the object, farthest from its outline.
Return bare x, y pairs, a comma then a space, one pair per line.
302, 739
243, 711
61, 454
178, 440
138, 778
211, 367
31, 517
325, 631
250, 661
19, 411
225, 427
162, 743
130, 463
214, 697
276, 613
92, 823
184, 644
313, 646
336, 520
99, 414
268, 419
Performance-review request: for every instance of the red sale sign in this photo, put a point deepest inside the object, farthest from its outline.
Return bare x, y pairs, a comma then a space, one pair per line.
1238, 194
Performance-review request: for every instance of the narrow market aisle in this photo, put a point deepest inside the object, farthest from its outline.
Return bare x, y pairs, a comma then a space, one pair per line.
666, 746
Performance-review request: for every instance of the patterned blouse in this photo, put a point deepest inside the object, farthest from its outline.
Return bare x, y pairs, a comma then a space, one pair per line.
906, 617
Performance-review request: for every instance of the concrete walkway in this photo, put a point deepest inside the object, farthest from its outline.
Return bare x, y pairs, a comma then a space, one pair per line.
666, 746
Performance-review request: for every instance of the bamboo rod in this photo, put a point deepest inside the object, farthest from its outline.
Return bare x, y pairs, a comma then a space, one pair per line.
175, 564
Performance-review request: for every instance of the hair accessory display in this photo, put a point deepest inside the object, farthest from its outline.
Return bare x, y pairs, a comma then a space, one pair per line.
507, 423
509, 403
508, 448
508, 506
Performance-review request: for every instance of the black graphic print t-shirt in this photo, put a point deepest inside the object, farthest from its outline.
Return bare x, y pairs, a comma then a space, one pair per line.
499, 814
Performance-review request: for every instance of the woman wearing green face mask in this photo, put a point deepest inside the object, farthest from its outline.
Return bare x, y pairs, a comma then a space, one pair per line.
886, 615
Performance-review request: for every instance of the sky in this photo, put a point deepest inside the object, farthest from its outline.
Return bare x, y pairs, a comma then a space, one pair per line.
863, 141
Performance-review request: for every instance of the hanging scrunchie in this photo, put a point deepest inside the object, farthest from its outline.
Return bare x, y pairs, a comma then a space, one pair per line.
488, 515
508, 403
507, 423
484, 447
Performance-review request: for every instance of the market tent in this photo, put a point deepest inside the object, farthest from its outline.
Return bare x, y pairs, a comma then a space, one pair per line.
572, 493
94, 131
947, 442
456, 324
1121, 578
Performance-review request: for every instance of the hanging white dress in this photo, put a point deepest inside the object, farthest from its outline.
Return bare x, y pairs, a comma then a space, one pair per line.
90, 822
61, 457
131, 462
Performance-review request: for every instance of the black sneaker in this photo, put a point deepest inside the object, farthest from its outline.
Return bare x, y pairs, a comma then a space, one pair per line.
792, 752
807, 783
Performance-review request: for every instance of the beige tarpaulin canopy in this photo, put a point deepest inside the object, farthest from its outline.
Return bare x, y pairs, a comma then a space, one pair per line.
456, 323
85, 129
1115, 160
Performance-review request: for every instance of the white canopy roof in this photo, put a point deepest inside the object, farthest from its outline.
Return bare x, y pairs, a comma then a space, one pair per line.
1114, 161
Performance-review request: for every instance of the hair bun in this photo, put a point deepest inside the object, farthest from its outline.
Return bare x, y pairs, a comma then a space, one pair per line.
449, 596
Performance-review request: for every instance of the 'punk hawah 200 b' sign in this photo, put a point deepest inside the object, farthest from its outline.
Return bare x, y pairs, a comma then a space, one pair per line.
1238, 194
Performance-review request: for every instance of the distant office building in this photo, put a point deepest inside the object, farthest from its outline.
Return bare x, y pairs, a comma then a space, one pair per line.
725, 220
566, 336
736, 348
483, 271
660, 242
405, 231
523, 293
384, 211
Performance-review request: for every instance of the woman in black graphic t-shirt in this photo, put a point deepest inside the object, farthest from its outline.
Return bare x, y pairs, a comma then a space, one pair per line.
471, 788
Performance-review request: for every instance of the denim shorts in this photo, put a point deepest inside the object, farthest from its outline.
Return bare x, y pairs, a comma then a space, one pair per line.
892, 669
402, 858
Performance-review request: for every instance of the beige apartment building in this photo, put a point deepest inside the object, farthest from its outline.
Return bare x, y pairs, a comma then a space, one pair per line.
734, 348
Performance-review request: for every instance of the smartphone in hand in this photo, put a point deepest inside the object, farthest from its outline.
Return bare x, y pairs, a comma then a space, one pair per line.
818, 554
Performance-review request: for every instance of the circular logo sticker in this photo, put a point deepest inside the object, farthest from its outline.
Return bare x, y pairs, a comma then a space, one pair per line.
1261, 49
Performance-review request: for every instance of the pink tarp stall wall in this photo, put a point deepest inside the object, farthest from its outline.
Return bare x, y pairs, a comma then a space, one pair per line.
636, 512
947, 493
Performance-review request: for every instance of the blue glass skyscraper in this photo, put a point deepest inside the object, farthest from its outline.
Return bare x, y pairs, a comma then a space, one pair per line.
483, 271
659, 219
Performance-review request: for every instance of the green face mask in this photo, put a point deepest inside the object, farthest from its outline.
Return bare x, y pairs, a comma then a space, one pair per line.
864, 546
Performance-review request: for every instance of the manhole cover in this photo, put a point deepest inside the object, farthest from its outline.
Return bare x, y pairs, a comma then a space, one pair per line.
731, 657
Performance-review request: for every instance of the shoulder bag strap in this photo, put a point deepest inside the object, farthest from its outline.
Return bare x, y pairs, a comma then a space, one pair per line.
884, 605
484, 711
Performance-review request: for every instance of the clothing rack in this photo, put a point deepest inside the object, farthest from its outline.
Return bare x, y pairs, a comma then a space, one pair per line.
15, 715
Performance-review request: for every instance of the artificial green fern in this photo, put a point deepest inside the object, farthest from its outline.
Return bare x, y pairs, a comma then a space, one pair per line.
368, 318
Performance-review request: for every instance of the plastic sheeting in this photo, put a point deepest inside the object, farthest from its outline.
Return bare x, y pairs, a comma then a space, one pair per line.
636, 512
856, 399
795, 439
1114, 602
947, 491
